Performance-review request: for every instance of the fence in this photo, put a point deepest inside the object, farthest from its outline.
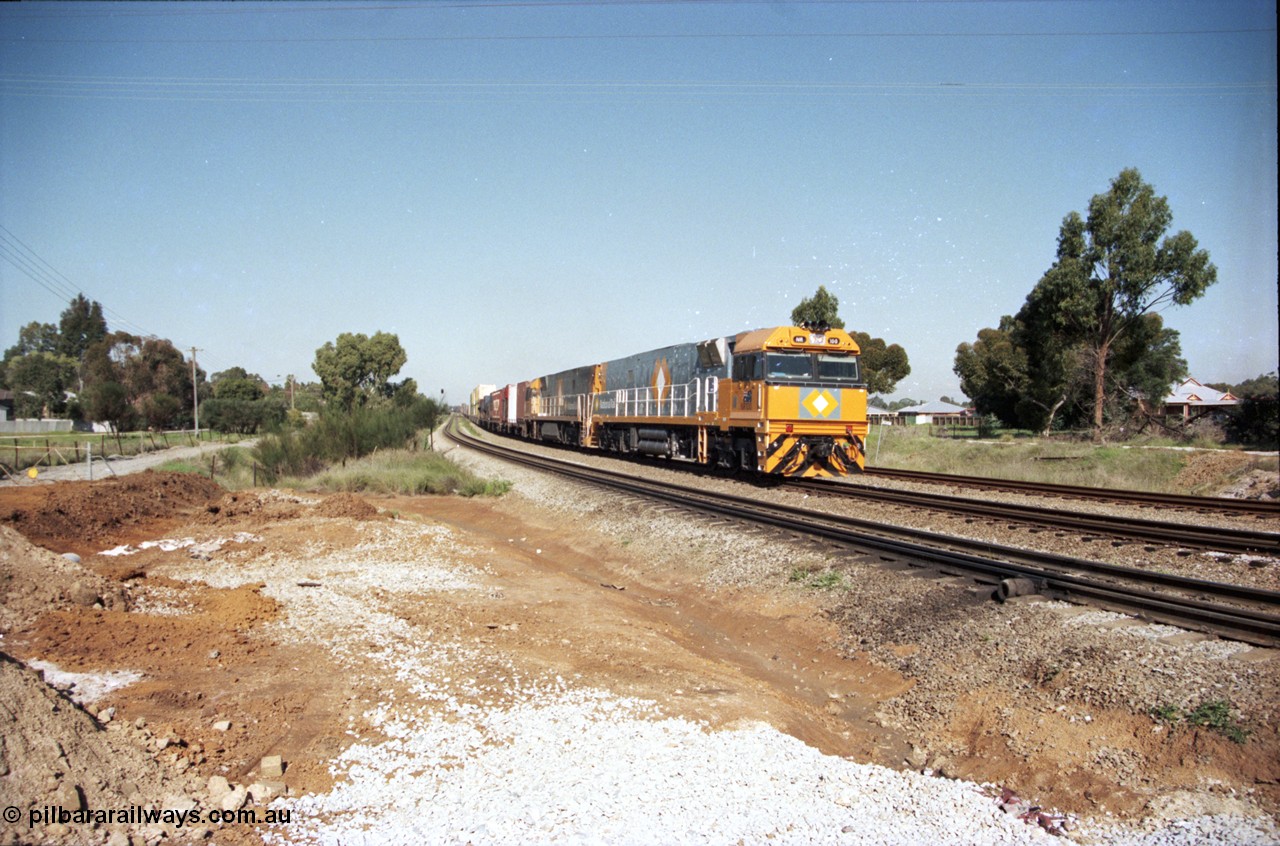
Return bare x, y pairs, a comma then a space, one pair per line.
20, 452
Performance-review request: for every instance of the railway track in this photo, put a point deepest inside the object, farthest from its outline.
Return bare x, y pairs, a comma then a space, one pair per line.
1247, 614
1159, 532
1209, 504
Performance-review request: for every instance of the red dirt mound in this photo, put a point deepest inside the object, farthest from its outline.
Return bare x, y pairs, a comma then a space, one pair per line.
347, 505
66, 515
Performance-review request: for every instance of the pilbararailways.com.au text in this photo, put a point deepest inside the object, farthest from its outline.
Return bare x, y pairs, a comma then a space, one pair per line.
138, 815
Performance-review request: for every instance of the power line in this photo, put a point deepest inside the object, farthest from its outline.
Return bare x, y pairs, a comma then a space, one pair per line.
275, 8
633, 36
317, 89
32, 265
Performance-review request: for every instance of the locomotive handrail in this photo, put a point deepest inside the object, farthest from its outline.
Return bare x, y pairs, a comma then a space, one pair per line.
565, 405
683, 400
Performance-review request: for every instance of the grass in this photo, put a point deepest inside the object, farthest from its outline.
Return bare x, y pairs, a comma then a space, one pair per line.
1214, 714
231, 467
826, 580
402, 472
55, 448
1137, 466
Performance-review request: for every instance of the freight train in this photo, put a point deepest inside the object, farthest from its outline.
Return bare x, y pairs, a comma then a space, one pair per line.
785, 401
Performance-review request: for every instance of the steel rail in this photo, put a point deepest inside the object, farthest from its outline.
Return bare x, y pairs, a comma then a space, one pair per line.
1197, 503
1149, 531
1053, 575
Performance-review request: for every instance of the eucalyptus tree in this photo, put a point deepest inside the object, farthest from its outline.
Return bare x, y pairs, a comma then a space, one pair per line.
1113, 268
883, 364
358, 367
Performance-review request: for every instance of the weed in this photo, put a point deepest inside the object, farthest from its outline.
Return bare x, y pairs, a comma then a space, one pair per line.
1214, 714
407, 472
829, 580
182, 466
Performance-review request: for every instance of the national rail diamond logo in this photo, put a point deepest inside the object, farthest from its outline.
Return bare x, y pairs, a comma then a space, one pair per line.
661, 379
818, 402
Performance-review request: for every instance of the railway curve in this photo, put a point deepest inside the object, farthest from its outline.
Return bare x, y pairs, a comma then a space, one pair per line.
1242, 613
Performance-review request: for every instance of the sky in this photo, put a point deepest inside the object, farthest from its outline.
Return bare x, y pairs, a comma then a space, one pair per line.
515, 188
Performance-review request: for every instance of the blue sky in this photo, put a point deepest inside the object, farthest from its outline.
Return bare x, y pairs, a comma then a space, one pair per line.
516, 188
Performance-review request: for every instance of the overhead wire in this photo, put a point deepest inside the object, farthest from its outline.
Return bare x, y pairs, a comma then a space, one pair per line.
33, 266
660, 36
318, 89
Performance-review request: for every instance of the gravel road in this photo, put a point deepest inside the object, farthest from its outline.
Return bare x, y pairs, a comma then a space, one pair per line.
122, 466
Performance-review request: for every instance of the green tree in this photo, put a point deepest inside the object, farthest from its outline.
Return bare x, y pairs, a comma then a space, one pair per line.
146, 369
819, 312
883, 365
993, 370
108, 402
1114, 267
1256, 421
357, 367
1146, 362
35, 337
80, 327
40, 381
236, 383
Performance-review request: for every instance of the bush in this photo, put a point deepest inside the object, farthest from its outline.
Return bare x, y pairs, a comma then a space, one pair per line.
339, 436
241, 416
1256, 421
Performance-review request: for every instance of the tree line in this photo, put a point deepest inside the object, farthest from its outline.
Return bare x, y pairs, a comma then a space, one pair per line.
79, 369
1089, 347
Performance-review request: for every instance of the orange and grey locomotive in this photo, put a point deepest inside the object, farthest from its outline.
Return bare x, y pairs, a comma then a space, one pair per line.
784, 401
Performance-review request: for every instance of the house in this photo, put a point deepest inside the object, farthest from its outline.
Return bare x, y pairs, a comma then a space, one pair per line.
1191, 400
881, 416
938, 412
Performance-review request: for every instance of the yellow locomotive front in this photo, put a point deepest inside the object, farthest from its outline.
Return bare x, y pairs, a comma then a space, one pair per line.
796, 402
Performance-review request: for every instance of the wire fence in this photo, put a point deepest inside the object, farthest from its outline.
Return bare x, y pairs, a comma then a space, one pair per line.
19, 453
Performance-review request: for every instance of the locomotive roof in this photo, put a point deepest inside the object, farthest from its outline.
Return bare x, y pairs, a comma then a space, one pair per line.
795, 338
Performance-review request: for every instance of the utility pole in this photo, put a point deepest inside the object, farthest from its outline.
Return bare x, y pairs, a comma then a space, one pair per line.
195, 393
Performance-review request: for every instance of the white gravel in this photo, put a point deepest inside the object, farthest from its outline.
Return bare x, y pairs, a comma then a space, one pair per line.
472, 751
84, 688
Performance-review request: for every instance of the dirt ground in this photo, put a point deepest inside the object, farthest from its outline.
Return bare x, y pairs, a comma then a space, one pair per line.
220, 689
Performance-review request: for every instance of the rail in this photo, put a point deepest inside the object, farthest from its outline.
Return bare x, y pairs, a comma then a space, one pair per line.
1160, 532
1158, 500
1226, 609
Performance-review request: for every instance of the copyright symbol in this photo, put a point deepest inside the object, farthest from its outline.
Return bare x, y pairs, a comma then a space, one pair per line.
12, 814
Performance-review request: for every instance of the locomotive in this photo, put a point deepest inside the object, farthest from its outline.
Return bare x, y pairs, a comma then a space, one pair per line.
783, 401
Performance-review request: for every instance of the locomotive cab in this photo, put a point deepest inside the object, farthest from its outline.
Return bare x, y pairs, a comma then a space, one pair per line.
797, 404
